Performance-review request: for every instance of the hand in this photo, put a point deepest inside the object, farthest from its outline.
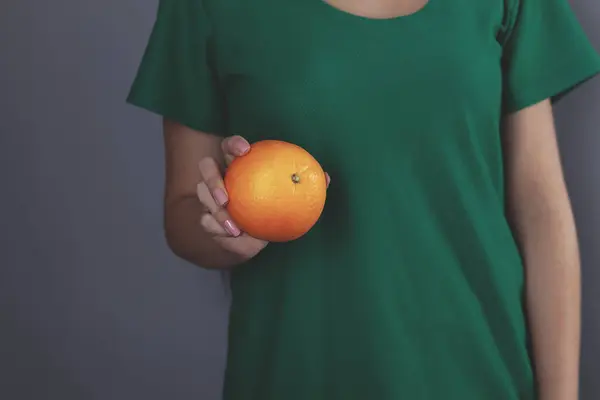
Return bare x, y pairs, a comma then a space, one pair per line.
212, 194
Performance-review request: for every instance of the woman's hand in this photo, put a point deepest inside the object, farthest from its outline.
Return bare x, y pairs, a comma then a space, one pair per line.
212, 194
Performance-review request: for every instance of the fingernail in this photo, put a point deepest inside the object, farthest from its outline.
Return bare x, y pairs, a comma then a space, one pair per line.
220, 196
242, 147
231, 228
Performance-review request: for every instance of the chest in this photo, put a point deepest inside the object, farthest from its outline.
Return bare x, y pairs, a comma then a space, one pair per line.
289, 60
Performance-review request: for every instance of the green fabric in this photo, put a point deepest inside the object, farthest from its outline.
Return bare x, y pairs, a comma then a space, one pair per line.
411, 285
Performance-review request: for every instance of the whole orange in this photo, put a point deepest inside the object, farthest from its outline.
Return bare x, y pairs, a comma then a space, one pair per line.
276, 191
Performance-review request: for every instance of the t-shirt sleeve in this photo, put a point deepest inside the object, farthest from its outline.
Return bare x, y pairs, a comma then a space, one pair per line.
546, 53
176, 78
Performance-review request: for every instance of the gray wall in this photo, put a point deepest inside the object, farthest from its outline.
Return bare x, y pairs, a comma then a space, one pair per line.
92, 304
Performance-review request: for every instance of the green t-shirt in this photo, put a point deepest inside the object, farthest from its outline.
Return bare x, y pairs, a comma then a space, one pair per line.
411, 285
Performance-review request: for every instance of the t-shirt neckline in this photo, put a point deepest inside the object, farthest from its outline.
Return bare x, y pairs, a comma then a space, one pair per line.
345, 14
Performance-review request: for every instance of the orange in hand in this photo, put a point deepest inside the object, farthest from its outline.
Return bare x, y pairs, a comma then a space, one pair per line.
276, 191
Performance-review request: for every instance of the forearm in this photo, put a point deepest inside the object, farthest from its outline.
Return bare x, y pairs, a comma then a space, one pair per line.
540, 212
188, 240
549, 246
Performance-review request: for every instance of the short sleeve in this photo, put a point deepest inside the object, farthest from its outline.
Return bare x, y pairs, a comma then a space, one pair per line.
175, 78
546, 53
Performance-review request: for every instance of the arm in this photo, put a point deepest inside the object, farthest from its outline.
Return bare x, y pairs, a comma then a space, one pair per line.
539, 209
187, 238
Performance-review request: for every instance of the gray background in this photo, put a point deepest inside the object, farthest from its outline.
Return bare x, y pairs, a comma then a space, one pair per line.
92, 304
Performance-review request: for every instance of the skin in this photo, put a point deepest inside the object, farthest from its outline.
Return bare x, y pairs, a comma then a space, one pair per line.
541, 216
199, 230
197, 225
379, 9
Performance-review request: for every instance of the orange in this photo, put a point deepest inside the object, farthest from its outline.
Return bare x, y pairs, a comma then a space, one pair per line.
276, 191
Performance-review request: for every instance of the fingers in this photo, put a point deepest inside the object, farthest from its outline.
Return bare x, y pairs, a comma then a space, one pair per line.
211, 176
244, 245
229, 159
228, 236
217, 221
219, 224
216, 215
206, 198
212, 226
234, 146
211, 192
224, 220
